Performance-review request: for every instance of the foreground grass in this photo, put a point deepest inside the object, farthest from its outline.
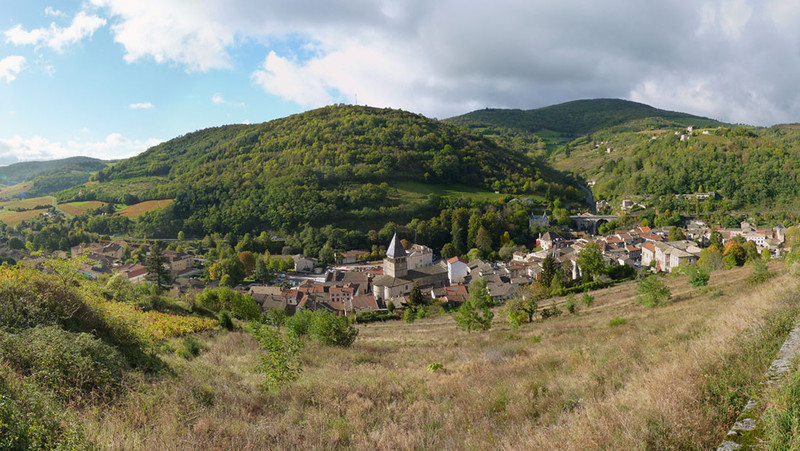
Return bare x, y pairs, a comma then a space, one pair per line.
673, 377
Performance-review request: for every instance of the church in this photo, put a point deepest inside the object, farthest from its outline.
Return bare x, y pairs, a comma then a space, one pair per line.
398, 280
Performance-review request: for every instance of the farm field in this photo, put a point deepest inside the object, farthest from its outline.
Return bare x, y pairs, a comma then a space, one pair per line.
78, 208
613, 376
14, 218
13, 191
28, 204
135, 210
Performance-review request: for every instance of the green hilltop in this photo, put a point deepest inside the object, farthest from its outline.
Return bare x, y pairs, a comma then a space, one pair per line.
564, 122
349, 166
27, 170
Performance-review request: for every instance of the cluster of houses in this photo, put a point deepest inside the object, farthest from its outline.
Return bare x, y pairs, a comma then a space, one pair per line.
361, 288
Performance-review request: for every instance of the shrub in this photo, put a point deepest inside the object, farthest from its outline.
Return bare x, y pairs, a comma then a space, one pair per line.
280, 363
587, 299
434, 367
239, 304
617, 321
698, 277
571, 308
29, 419
652, 292
330, 329
299, 322
191, 347
225, 320
409, 315
551, 311
760, 273
65, 362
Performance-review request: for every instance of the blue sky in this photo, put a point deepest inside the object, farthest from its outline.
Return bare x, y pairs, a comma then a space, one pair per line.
109, 78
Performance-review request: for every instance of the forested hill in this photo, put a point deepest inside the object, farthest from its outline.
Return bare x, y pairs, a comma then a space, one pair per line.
20, 172
570, 120
333, 165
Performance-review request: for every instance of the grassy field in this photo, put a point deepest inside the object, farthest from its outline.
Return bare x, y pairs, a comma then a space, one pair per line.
413, 191
672, 377
14, 218
13, 191
78, 208
135, 210
28, 204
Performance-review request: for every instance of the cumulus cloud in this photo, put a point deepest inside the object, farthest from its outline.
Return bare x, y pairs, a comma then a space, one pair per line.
38, 148
733, 60
10, 66
141, 106
217, 99
83, 25
50, 11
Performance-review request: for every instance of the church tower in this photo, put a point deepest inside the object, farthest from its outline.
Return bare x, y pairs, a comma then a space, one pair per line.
395, 264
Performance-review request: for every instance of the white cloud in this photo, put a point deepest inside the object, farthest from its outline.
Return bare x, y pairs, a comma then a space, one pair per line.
10, 66
83, 25
38, 148
50, 11
217, 99
141, 106
736, 60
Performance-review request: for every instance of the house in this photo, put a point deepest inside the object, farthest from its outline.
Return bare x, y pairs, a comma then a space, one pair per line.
135, 273
540, 221
304, 264
349, 257
419, 256
551, 240
397, 280
457, 270
452, 295
627, 204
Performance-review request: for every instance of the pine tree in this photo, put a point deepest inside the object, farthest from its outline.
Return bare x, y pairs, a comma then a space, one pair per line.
156, 272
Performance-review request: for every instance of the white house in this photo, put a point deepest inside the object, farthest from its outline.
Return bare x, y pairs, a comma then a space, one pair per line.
457, 270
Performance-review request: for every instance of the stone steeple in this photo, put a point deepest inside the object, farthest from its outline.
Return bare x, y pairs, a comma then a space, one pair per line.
395, 264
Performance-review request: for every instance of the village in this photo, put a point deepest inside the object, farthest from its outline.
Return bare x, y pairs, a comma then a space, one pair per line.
355, 286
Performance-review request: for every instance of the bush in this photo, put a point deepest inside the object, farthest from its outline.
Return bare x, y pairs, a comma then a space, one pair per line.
617, 321
191, 347
551, 311
698, 277
29, 419
652, 292
409, 315
587, 299
240, 305
760, 273
299, 323
434, 367
330, 329
67, 363
367, 317
280, 363
225, 320
571, 308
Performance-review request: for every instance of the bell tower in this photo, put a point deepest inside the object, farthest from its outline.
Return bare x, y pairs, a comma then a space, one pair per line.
395, 264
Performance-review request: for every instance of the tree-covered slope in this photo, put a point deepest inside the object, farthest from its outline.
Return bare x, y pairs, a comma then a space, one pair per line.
333, 165
747, 167
20, 172
576, 118
569, 120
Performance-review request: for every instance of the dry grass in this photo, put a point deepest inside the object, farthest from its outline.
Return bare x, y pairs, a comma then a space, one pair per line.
14, 218
571, 382
79, 208
28, 204
143, 207
13, 191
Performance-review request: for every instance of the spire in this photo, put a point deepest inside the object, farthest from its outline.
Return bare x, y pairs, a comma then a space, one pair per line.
395, 249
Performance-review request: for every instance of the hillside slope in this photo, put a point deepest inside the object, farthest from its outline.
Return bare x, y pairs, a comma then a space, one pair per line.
333, 165
571, 120
20, 172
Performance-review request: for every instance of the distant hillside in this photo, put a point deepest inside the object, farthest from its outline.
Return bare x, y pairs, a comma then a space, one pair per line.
20, 172
570, 120
334, 165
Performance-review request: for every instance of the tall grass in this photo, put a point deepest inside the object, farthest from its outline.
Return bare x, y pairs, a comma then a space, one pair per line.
673, 377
